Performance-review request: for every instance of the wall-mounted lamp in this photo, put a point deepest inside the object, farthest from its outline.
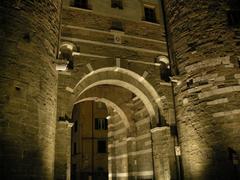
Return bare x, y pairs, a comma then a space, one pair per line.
61, 65
163, 59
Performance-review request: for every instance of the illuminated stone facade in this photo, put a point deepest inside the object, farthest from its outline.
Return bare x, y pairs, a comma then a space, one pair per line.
28, 84
165, 124
206, 48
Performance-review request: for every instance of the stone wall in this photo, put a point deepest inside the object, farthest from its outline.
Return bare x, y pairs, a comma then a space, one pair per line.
92, 34
205, 51
104, 8
62, 168
28, 85
130, 153
163, 153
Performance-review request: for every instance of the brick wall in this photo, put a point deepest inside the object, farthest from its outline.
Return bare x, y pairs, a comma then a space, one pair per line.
28, 84
205, 52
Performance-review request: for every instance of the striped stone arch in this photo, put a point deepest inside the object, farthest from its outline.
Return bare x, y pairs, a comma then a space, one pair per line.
124, 78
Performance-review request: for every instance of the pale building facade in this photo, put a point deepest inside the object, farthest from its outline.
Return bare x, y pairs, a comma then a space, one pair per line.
89, 141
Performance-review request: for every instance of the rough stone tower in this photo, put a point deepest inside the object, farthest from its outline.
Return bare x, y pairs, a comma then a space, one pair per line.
28, 84
204, 43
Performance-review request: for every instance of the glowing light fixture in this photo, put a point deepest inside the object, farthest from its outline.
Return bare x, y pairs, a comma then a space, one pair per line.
163, 59
61, 65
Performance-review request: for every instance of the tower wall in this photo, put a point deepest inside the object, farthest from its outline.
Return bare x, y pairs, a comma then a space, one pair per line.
205, 48
28, 84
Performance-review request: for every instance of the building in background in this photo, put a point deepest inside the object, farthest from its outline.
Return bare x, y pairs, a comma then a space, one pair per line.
89, 141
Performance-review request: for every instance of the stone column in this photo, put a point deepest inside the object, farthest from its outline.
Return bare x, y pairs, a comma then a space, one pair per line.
204, 41
144, 156
62, 168
111, 148
132, 161
28, 85
111, 153
163, 154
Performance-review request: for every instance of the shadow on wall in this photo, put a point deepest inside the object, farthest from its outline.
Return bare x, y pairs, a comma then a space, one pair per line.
17, 163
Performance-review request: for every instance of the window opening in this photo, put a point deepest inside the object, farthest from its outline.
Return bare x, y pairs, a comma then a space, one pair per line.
75, 148
75, 126
81, 4
102, 146
101, 123
190, 83
74, 172
233, 13
150, 14
117, 4
117, 25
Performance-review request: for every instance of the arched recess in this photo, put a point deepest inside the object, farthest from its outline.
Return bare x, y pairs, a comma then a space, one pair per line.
107, 94
126, 79
108, 102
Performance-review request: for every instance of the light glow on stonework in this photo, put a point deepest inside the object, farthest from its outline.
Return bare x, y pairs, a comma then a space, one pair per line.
91, 72
75, 53
61, 67
69, 46
157, 64
141, 79
163, 59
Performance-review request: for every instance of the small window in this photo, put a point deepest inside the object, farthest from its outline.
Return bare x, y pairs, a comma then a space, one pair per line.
233, 156
74, 172
102, 146
117, 25
150, 14
190, 83
117, 4
75, 126
81, 4
75, 148
101, 124
234, 18
234, 13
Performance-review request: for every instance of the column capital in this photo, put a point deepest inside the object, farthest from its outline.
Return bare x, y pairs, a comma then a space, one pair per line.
69, 124
159, 129
131, 139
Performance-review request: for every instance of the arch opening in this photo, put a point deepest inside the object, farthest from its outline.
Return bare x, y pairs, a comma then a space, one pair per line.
126, 79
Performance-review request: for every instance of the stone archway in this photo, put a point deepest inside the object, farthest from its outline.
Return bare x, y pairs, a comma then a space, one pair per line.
136, 147
126, 79
125, 147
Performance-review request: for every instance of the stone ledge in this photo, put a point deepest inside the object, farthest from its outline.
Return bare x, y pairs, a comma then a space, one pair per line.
208, 63
159, 129
218, 91
218, 101
226, 113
